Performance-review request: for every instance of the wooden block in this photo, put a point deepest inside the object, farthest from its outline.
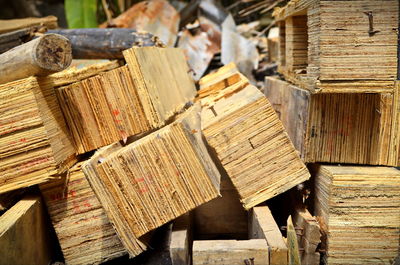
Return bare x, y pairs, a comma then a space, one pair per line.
181, 240
230, 252
21, 225
161, 78
155, 179
360, 207
249, 140
293, 247
34, 141
129, 100
222, 217
263, 226
85, 234
338, 128
310, 236
337, 47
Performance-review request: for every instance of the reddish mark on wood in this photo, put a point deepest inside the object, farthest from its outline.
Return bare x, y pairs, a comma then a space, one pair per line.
139, 180
144, 190
116, 112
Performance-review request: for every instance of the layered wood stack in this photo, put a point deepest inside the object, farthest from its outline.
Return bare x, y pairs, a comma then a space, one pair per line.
341, 57
360, 207
243, 129
80, 221
129, 100
34, 140
154, 179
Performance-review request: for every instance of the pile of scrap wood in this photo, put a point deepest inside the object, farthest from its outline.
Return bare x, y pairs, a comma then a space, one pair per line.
136, 162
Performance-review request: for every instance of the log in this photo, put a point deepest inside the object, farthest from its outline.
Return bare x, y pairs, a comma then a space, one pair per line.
12, 39
42, 56
105, 43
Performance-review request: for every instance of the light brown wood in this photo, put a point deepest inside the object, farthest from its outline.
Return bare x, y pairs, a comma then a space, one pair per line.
329, 47
263, 226
249, 140
293, 247
360, 207
181, 240
21, 224
7, 25
35, 145
168, 174
230, 252
310, 236
85, 234
338, 128
42, 56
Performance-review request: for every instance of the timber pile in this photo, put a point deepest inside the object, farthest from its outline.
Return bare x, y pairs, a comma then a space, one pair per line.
249, 140
360, 207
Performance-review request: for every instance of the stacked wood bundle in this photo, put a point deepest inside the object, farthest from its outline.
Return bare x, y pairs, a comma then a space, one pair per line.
129, 100
360, 208
22, 223
339, 128
339, 46
251, 143
85, 234
154, 179
34, 142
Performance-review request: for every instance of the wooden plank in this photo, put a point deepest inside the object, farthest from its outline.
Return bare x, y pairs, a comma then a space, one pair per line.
18, 226
230, 252
181, 240
85, 234
34, 141
7, 25
368, 222
293, 247
263, 226
250, 141
168, 167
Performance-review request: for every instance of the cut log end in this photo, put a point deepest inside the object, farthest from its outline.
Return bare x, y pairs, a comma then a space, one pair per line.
53, 53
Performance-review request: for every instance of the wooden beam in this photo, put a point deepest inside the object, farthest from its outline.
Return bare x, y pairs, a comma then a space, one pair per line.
263, 226
293, 247
7, 25
181, 240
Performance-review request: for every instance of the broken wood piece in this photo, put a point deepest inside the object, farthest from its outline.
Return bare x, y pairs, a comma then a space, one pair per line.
170, 173
293, 247
105, 43
338, 128
250, 141
263, 226
12, 39
310, 236
85, 234
42, 56
35, 145
8, 25
25, 221
230, 252
360, 206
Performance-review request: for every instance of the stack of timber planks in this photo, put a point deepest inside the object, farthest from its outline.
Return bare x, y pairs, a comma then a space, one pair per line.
339, 104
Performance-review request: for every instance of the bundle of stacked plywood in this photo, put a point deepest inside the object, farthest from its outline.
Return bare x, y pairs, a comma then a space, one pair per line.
339, 103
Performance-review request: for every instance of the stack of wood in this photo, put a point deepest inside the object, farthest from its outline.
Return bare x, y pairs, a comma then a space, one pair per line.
340, 104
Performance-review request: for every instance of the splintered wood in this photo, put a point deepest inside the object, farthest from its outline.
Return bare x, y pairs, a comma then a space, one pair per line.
129, 100
338, 128
85, 234
155, 179
339, 46
34, 141
361, 208
253, 147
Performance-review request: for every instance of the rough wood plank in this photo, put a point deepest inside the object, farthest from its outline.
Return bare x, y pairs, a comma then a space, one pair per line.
263, 226
293, 247
230, 252
8, 25
21, 224
181, 240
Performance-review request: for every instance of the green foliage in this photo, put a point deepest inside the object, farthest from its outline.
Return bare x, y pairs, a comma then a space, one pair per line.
81, 13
